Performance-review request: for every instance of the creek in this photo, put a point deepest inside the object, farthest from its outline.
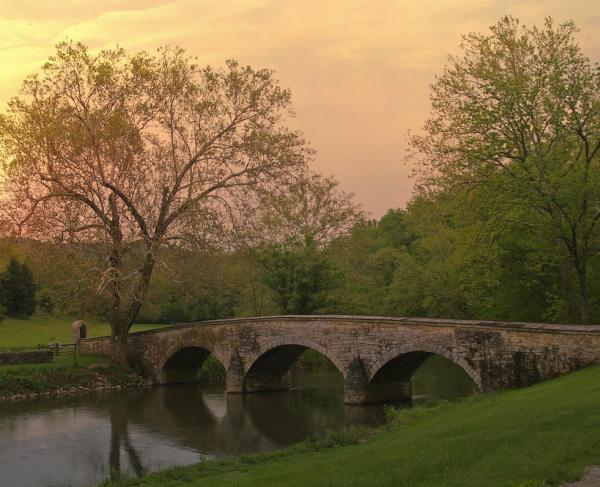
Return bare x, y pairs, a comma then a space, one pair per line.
82, 440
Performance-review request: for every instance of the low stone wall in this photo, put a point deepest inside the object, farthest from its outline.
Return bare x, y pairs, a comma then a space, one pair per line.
28, 357
95, 346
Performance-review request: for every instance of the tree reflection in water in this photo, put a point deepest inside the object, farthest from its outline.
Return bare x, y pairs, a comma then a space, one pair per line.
119, 437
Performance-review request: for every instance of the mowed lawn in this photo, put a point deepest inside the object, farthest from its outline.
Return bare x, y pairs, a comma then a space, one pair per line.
535, 437
17, 334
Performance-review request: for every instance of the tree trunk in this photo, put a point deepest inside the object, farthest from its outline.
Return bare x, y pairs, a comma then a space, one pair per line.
118, 348
145, 274
118, 332
117, 326
580, 255
569, 291
584, 305
121, 322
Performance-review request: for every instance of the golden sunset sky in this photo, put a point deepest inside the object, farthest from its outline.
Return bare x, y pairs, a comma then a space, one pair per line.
359, 70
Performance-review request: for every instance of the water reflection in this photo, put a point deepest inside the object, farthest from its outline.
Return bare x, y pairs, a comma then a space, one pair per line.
120, 439
80, 441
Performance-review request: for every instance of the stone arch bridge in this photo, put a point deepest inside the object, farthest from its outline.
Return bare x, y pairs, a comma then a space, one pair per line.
376, 356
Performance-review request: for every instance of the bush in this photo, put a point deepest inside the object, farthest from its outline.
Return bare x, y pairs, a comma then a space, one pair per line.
45, 302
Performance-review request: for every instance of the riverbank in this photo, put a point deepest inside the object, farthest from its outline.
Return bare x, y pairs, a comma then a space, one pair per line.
535, 437
65, 375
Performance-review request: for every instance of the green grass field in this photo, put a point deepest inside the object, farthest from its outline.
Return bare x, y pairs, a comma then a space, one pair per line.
28, 333
539, 436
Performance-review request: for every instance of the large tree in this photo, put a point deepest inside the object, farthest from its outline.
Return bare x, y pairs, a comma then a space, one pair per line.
517, 116
131, 151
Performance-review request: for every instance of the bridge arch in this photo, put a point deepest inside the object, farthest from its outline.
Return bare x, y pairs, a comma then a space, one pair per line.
267, 368
188, 354
410, 357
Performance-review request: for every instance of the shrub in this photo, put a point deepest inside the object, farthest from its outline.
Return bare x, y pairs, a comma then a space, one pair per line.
45, 302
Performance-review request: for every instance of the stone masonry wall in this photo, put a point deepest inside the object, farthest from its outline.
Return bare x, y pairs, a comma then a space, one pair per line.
29, 357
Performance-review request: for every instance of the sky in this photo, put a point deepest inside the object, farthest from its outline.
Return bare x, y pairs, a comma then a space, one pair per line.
359, 70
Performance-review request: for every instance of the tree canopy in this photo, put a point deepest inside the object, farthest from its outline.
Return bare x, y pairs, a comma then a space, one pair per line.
515, 121
311, 207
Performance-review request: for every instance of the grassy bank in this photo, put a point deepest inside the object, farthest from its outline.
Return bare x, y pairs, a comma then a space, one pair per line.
535, 437
16, 334
64, 374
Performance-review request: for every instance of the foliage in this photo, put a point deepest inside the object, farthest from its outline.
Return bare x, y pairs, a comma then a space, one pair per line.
309, 207
368, 259
300, 276
212, 373
210, 305
17, 289
44, 301
517, 116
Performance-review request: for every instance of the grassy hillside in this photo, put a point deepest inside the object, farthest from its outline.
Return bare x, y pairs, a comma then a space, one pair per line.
40, 329
539, 436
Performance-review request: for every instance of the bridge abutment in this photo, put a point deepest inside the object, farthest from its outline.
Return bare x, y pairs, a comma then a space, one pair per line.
358, 389
237, 382
234, 380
